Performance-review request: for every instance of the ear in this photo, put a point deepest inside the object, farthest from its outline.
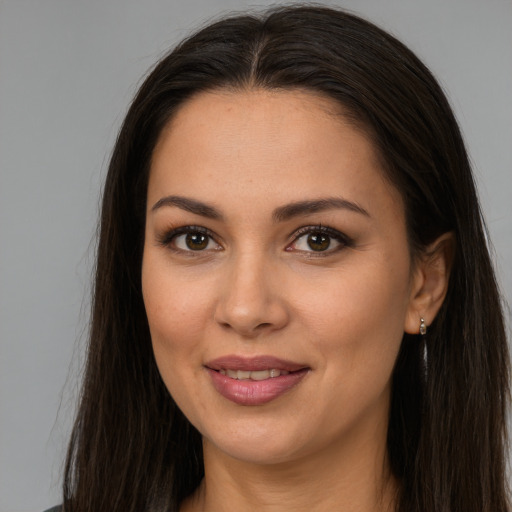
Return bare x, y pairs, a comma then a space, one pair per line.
430, 282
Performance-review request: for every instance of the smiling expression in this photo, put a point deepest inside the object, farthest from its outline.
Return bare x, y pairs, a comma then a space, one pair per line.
274, 245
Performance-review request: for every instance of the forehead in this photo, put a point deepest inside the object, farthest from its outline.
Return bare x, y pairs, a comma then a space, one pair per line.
265, 147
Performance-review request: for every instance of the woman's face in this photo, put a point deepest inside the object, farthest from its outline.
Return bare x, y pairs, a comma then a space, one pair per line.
276, 275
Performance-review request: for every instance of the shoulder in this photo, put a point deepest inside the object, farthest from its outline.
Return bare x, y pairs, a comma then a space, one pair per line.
58, 508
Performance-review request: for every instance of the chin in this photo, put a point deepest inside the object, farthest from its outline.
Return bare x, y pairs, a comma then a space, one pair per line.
258, 444
254, 451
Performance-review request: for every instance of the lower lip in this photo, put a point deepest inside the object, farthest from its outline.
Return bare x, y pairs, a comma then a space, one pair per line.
255, 392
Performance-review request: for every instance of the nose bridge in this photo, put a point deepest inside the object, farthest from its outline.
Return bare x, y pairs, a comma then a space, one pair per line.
251, 301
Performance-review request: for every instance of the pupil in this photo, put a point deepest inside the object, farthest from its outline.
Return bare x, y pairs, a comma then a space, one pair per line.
196, 241
318, 242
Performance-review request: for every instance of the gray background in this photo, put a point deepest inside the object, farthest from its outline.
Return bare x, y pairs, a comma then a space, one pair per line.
67, 72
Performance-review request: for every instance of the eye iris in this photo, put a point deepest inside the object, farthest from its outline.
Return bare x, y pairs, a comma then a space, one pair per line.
196, 241
318, 242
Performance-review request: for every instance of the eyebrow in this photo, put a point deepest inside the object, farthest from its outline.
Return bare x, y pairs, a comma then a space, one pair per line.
189, 205
316, 205
280, 214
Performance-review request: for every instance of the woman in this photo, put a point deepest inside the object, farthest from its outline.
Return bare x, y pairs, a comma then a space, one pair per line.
294, 305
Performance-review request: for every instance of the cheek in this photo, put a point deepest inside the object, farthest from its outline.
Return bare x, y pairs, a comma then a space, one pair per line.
357, 320
356, 331
177, 312
373, 296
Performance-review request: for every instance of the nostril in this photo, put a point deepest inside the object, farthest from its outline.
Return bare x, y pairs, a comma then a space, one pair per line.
259, 327
263, 325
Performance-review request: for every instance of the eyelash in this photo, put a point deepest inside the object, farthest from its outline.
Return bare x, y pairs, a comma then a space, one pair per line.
168, 237
343, 240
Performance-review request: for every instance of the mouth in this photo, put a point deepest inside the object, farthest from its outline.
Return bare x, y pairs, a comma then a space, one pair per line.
254, 364
255, 380
253, 375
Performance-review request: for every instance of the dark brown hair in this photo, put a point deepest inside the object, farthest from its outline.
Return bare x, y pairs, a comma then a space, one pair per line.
131, 448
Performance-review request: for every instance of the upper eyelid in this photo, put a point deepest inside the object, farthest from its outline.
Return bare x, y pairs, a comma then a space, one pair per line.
334, 233
341, 238
170, 234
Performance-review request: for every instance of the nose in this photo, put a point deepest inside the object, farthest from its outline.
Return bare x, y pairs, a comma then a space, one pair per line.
252, 302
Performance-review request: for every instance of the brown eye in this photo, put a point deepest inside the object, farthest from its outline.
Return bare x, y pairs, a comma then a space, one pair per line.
322, 240
318, 241
196, 241
190, 240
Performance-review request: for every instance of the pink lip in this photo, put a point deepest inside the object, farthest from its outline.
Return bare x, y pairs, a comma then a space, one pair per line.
252, 392
254, 363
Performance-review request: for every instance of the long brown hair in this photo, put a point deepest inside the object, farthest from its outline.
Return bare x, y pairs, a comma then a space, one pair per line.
131, 447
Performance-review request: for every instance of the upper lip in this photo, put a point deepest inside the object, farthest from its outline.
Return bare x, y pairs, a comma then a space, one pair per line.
253, 363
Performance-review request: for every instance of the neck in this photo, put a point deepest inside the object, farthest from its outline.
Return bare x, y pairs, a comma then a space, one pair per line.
353, 477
